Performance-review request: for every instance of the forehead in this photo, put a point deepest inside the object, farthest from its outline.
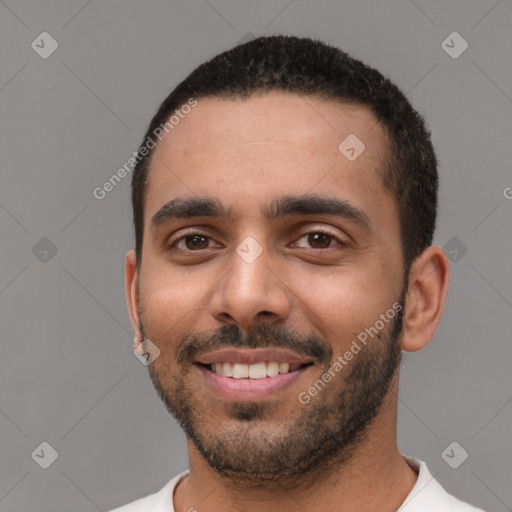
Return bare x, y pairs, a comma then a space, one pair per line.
252, 150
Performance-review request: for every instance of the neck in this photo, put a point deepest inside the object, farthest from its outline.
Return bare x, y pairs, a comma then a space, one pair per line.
373, 477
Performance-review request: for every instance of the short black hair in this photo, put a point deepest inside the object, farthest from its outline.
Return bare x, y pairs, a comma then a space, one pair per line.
311, 67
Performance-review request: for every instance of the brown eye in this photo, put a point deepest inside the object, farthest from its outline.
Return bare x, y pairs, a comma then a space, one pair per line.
196, 242
191, 242
320, 240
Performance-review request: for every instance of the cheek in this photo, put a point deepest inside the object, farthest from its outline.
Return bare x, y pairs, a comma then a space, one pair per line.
343, 303
171, 301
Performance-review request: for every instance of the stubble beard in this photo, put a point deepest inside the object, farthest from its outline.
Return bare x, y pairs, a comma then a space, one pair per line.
252, 448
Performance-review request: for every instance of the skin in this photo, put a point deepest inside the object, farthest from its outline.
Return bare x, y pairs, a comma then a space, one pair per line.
245, 154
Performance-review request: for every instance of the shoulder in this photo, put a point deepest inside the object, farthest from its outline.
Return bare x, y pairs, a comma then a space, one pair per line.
159, 501
428, 494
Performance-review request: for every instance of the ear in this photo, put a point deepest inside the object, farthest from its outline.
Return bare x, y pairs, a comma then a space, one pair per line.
131, 279
426, 295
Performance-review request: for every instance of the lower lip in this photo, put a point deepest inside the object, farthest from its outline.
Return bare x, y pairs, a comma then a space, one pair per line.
244, 389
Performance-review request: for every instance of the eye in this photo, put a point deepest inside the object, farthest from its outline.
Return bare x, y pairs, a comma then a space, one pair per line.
197, 241
191, 242
320, 239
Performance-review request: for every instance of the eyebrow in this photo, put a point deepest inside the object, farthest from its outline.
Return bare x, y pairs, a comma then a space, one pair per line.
191, 207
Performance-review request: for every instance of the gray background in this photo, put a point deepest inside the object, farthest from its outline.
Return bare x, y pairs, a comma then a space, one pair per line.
67, 372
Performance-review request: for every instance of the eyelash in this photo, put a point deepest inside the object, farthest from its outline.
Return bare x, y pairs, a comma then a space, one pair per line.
172, 245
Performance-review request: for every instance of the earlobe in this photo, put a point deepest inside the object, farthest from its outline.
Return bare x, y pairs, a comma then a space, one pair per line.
426, 295
131, 292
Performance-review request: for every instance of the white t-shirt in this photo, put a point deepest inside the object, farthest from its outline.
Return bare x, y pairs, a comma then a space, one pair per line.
427, 495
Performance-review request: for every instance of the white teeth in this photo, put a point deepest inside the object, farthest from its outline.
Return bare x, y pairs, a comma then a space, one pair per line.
227, 370
257, 371
272, 368
284, 367
253, 371
240, 371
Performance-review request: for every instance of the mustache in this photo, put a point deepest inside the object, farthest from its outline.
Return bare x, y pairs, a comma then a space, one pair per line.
261, 336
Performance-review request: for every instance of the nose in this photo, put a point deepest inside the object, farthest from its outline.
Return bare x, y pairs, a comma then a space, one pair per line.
251, 293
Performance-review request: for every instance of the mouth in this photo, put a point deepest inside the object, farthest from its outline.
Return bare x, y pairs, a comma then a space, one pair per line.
248, 374
255, 371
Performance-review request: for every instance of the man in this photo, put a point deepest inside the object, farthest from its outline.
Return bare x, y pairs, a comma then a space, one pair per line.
283, 260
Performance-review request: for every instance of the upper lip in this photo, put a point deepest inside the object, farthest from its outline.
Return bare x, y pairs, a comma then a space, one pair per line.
251, 356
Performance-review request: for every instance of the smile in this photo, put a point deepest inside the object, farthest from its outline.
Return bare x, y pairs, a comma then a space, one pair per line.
248, 374
259, 370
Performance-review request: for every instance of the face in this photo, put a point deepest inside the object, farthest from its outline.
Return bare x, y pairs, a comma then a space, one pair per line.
268, 256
